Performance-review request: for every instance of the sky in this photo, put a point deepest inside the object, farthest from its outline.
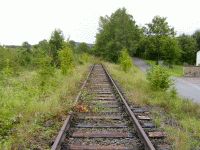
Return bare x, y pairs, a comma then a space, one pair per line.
34, 20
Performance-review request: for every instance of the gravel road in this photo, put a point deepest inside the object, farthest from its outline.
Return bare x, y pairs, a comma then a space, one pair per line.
186, 87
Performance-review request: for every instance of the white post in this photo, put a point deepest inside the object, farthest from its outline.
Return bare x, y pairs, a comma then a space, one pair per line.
198, 59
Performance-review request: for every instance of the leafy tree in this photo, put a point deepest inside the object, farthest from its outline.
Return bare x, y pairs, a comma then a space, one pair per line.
125, 60
189, 48
25, 54
159, 27
171, 50
157, 31
66, 59
44, 46
26, 46
73, 45
83, 48
116, 32
56, 43
196, 35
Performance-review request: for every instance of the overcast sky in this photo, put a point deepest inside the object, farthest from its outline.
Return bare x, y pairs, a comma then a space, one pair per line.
34, 20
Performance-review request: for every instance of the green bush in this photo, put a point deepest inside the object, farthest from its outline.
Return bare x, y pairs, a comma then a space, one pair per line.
159, 78
46, 70
125, 60
66, 59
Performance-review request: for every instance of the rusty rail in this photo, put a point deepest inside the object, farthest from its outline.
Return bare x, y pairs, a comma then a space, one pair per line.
140, 131
62, 133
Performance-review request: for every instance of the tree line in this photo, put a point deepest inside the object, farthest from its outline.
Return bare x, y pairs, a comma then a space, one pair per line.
156, 40
49, 51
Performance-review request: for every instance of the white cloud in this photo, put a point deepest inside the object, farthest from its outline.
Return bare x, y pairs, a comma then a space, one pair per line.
34, 20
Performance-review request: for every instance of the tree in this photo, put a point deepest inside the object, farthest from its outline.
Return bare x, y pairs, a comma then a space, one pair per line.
72, 44
83, 48
25, 54
157, 31
189, 48
44, 46
26, 46
116, 32
196, 35
66, 59
160, 27
171, 50
56, 43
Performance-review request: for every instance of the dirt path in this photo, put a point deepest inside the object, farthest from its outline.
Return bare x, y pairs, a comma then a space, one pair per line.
186, 87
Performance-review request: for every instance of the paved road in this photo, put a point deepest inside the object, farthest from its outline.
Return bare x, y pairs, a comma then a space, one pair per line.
186, 87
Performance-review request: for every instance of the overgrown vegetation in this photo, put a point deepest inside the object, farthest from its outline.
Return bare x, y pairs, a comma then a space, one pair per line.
156, 41
125, 60
176, 70
159, 78
37, 87
116, 32
178, 117
66, 59
38, 82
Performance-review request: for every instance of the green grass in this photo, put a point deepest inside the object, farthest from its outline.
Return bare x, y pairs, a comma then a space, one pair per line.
30, 117
176, 71
183, 116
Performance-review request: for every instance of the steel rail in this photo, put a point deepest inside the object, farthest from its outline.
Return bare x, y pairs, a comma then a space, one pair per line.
62, 133
148, 144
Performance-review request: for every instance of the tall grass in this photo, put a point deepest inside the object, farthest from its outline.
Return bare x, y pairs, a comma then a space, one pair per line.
29, 117
180, 117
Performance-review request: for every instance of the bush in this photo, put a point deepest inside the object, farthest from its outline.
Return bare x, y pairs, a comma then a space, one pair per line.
159, 78
46, 70
125, 60
66, 59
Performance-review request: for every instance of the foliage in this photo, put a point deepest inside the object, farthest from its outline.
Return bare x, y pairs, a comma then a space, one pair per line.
46, 70
83, 48
159, 27
7, 71
25, 110
159, 36
159, 78
56, 43
189, 48
125, 60
116, 32
196, 36
43, 46
66, 59
176, 70
26, 46
9, 58
171, 50
73, 45
176, 115
85, 57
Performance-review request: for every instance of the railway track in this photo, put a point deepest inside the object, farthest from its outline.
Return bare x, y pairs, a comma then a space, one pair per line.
103, 120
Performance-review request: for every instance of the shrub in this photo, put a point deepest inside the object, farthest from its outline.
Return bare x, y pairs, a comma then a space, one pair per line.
125, 60
7, 71
46, 70
159, 78
85, 57
66, 59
